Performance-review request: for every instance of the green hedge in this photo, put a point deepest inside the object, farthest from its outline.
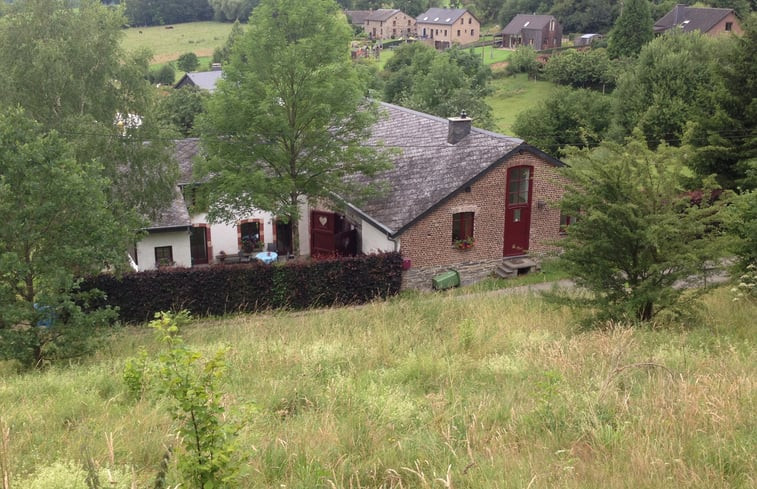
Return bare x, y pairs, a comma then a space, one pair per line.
224, 289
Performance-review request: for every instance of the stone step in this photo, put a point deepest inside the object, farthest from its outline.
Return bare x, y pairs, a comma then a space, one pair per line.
519, 265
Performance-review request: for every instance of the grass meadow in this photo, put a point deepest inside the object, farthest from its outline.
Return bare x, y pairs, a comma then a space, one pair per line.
424, 391
514, 94
167, 43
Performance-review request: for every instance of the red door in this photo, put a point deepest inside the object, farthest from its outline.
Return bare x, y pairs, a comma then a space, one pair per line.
518, 210
322, 233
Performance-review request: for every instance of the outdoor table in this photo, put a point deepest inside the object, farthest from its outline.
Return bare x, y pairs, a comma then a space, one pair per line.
267, 257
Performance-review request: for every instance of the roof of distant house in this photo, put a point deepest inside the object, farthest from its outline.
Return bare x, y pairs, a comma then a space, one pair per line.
382, 14
526, 21
441, 16
357, 17
690, 19
203, 79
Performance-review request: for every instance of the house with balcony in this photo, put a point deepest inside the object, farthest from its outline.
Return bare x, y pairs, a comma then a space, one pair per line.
389, 24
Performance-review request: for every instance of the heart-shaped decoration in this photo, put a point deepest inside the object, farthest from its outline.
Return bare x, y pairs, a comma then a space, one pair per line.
323, 220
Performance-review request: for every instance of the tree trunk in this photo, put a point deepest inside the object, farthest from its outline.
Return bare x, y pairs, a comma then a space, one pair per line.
645, 311
294, 224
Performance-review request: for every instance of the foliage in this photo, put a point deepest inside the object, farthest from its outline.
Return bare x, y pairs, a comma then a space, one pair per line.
188, 62
67, 475
165, 75
632, 29
233, 10
222, 54
439, 83
586, 15
292, 111
568, 117
670, 84
68, 72
193, 386
637, 233
221, 290
741, 223
746, 288
725, 136
181, 107
57, 228
159, 12
582, 69
523, 60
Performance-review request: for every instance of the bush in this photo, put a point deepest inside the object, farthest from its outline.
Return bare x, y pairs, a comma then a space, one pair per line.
165, 75
227, 289
188, 62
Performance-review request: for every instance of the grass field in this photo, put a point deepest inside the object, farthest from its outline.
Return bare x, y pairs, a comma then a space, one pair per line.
425, 392
512, 95
167, 44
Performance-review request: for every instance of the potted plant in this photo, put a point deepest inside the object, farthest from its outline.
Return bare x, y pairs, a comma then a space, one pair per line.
464, 244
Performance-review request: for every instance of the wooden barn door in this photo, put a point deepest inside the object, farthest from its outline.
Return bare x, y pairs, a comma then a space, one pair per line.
518, 210
322, 233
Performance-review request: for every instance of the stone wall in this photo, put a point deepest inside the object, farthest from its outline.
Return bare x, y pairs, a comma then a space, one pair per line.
470, 273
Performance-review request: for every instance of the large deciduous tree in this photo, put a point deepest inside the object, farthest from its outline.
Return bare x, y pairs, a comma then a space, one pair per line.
287, 122
670, 84
632, 30
56, 228
636, 231
69, 73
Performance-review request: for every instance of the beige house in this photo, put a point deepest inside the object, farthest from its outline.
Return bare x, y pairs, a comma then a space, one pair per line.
389, 24
442, 27
710, 21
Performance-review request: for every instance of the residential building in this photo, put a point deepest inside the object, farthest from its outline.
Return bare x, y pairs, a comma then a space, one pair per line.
389, 24
442, 27
538, 31
710, 21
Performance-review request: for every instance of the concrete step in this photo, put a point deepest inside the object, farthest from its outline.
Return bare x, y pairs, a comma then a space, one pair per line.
517, 265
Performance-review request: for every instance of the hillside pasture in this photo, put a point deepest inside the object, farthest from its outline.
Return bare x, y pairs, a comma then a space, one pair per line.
514, 94
167, 43
490, 391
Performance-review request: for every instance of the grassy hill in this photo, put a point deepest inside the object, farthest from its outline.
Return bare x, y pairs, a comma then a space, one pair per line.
167, 43
426, 392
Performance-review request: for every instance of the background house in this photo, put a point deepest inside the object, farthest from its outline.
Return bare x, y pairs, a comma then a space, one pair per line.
539, 31
389, 24
203, 79
443, 27
711, 21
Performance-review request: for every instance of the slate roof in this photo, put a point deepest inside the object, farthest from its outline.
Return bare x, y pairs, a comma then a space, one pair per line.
691, 18
382, 14
203, 79
357, 17
175, 216
441, 16
427, 169
525, 21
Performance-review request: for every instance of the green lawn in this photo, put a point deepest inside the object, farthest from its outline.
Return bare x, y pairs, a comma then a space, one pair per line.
167, 44
427, 392
512, 95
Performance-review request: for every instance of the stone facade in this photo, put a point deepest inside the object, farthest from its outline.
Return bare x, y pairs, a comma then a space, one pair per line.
391, 25
433, 29
428, 242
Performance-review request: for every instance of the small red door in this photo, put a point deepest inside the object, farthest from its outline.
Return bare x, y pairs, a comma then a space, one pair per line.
518, 210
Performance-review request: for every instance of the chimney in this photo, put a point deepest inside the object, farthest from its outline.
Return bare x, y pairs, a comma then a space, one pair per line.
459, 127
680, 13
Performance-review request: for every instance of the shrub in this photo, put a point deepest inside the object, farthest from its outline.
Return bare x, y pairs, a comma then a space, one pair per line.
228, 289
188, 62
165, 75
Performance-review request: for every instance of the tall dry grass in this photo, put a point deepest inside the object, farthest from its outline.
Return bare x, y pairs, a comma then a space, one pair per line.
432, 391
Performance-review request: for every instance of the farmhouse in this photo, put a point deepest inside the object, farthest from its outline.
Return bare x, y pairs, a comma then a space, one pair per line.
711, 21
389, 24
538, 31
443, 27
457, 197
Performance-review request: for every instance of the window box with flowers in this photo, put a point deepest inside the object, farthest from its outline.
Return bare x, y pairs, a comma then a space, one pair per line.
464, 244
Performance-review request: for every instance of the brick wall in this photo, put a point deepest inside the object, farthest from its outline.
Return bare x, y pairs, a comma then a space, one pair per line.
428, 243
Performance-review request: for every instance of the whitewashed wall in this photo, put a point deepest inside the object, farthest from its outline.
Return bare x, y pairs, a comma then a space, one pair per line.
179, 242
375, 240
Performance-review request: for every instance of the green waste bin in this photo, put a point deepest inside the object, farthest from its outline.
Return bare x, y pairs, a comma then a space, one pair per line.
446, 280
